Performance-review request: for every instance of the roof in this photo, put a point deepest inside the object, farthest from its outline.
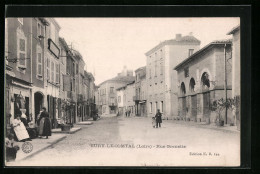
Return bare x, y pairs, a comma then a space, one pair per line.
141, 68
120, 79
124, 86
234, 30
64, 43
189, 39
193, 56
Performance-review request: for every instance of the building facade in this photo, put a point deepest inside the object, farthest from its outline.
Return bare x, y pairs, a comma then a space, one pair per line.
140, 92
161, 80
107, 93
41, 70
201, 80
236, 81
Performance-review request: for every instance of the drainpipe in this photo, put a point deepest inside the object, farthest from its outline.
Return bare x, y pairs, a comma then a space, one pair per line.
225, 80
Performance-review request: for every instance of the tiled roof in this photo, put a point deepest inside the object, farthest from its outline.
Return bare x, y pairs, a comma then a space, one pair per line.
123, 79
187, 39
216, 42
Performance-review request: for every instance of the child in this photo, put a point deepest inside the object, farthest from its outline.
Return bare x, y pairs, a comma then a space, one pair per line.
153, 122
11, 149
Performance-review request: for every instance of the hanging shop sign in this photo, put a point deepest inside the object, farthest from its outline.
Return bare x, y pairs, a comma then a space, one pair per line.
54, 49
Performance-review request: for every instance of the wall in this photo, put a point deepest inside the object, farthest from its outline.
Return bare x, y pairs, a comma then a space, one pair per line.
236, 64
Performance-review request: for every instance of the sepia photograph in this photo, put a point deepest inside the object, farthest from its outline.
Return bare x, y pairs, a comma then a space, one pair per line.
129, 91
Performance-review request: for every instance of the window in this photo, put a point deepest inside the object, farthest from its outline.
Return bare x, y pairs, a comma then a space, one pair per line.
40, 29
186, 72
52, 72
190, 52
57, 73
112, 101
111, 89
77, 68
20, 20
151, 107
48, 68
22, 52
161, 106
39, 64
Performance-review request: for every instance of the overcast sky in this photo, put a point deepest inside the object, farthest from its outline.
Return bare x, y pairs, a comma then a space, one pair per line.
107, 44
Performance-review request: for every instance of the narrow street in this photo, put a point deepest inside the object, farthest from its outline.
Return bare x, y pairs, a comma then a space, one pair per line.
172, 144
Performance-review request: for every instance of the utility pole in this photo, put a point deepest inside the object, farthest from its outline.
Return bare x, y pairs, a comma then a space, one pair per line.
225, 80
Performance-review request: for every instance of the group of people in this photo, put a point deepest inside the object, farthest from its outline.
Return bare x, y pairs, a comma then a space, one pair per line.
157, 119
128, 113
20, 131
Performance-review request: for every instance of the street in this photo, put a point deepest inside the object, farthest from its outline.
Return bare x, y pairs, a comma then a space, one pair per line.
132, 141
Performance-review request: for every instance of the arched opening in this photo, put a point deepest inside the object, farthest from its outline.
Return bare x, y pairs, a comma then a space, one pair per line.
193, 98
192, 85
38, 104
183, 89
206, 95
205, 80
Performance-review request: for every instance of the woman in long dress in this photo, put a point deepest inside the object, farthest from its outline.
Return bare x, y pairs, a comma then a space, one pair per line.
20, 130
45, 124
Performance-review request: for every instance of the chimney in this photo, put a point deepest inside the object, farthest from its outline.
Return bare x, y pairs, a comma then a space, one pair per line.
190, 34
178, 37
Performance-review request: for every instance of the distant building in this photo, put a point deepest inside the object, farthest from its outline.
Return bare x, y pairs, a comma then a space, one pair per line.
161, 80
107, 93
140, 92
201, 81
236, 81
126, 72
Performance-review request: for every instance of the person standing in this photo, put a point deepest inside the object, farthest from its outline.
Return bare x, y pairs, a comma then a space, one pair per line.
158, 118
45, 124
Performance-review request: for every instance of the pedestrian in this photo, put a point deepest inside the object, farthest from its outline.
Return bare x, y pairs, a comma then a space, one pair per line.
45, 124
19, 130
153, 122
10, 148
129, 112
158, 118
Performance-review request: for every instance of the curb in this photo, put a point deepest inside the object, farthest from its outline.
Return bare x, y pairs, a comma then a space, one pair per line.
40, 150
213, 128
67, 132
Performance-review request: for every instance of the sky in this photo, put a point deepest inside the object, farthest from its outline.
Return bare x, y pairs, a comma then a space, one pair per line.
109, 44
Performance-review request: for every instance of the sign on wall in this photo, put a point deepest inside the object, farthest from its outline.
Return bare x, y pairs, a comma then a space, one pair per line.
54, 49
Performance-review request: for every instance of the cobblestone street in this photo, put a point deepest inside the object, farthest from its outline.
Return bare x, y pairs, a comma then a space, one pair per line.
170, 145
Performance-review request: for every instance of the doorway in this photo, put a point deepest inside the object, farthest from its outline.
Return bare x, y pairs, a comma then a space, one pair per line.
38, 103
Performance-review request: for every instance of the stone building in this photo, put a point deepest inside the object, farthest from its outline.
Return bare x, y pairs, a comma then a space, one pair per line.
161, 80
107, 93
140, 92
236, 81
201, 81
